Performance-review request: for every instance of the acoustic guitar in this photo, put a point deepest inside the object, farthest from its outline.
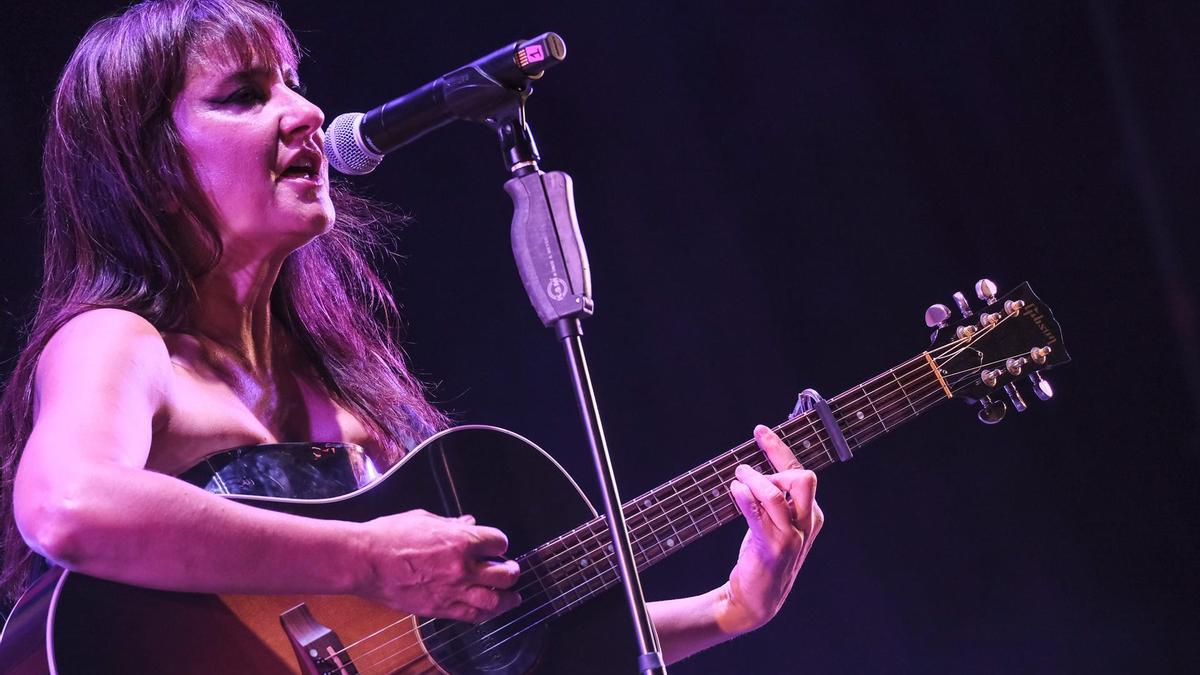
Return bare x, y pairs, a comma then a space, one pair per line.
572, 618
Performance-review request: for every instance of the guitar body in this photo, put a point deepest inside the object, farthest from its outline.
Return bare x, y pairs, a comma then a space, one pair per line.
70, 623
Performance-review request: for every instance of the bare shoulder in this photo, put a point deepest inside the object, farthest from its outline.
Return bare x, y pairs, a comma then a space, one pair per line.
103, 349
106, 332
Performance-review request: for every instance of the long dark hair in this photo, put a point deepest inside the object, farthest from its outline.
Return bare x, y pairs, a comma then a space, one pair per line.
113, 160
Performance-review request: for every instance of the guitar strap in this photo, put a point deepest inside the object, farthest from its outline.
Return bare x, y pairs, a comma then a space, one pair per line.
808, 400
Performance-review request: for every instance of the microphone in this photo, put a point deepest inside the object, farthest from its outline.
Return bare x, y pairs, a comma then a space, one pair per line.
355, 143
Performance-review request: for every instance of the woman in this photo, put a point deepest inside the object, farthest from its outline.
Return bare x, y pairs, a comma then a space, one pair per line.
205, 288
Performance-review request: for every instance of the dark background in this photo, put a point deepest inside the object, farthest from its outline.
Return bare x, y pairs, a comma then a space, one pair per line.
772, 193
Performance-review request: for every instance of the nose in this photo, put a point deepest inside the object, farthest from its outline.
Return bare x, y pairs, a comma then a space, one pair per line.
301, 117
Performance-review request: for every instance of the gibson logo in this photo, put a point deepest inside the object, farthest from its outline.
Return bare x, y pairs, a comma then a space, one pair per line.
1038, 318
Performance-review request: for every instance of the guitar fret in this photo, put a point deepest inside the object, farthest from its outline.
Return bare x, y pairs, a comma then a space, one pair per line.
705, 494
583, 565
855, 421
532, 562
559, 570
809, 439
645, 528
662, 541
672, 516
824, 447
873, 408
903, 393
583, 561
641, 552
684, 501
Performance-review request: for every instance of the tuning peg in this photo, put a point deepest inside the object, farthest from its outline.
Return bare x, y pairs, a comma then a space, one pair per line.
1015, 396
936, 315
991, 377
964, 307
985, 289
991, 410
1041, 386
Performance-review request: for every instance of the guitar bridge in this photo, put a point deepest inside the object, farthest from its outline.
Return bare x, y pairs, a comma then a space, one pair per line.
318, 649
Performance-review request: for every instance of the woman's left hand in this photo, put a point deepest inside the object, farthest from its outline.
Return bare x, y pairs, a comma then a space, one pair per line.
784, 518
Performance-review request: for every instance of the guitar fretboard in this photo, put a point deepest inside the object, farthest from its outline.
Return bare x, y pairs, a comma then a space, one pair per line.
581, 563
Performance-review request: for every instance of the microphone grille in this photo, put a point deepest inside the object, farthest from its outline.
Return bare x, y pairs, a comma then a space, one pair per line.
345, 149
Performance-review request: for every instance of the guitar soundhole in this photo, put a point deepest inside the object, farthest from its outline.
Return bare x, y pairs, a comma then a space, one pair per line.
505, 645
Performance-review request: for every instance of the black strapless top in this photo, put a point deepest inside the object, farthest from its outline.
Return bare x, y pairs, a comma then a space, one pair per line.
292, 470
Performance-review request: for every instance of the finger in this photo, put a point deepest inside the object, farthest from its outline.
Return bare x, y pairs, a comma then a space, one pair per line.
801, 485
462, 611
498, 574
749, 507
491, 600
487, 541
771, 498
781, 456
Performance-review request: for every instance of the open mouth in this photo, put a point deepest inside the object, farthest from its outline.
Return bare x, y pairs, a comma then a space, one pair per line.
300, 171
305, 166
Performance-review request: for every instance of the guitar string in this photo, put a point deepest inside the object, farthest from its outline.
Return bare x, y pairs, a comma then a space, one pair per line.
886, 403
544, 563
606, 558
993, 363
543, 590
934, 393
811, 424
727, 507
808, 425
730, 510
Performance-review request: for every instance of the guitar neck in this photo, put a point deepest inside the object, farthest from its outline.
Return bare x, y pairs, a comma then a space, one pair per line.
580, 563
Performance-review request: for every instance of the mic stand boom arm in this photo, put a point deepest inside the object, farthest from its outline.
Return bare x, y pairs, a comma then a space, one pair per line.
553, 264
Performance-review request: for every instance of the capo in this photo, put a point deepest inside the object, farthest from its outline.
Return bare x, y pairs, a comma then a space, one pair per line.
808, 400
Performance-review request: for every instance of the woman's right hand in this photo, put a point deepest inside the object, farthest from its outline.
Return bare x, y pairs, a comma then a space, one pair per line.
442, 567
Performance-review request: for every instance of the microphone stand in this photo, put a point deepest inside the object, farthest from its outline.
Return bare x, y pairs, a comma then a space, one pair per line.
554, 269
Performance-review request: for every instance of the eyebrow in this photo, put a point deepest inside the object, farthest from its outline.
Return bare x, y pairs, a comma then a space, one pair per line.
258, 72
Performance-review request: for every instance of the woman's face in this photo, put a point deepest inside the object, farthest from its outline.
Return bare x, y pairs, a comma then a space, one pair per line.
255, 144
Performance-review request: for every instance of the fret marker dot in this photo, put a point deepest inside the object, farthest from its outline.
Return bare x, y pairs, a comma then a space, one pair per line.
609, 548
807, 444
583, 563
716, 492
648, 503
861, 415
670, 543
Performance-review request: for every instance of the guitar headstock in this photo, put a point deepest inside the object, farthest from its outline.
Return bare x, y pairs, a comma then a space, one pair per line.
1005, 345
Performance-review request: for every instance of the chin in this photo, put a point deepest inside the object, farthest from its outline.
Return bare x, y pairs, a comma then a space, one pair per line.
298, 232
313, 219
313, 228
